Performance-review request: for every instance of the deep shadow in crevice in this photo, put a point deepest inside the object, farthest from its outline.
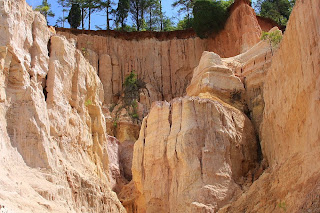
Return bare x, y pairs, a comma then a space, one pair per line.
44, 86
49, 47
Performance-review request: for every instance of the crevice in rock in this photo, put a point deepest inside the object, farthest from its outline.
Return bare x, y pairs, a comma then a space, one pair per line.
98, 66
170, 117
175, 146
249, 114
49, 46
44, 86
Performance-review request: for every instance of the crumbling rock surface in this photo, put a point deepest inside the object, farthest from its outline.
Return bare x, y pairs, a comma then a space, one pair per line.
192, 155
53, 142
290, 127
212, 76
251, 67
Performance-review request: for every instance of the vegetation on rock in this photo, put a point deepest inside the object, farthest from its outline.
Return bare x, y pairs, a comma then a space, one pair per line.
277, 10
45, 9
274, 38
146, 14
129, 99
209, 16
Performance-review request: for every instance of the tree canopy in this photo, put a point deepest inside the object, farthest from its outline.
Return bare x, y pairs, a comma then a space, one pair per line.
45, 9
205, 16
277, 10
209, 16
74, 17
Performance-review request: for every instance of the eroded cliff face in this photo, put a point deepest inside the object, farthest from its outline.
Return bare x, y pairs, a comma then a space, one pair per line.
191, 154
53, 138
199, 153
166, 65
290, 127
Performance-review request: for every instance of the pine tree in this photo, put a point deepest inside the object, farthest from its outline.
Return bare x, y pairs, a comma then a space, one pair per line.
185, 7
64, 4
45, 10
107, 5
154, 15
122, 12
137, 11
92, 5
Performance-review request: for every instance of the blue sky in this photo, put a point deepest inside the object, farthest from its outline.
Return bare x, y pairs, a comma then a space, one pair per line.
99, 18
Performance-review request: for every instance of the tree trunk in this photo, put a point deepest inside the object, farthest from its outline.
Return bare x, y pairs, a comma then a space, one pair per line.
122, 23
108, 20
137, 19
150, 20
89, 17
188, 25
161, 17
82, 17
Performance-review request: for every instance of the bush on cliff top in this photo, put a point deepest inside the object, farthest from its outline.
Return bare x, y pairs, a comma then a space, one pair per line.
209, 16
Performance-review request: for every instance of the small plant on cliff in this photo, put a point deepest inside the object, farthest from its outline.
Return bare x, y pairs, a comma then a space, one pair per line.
88, 102
132, 86
84, 51
274, 38
282, 205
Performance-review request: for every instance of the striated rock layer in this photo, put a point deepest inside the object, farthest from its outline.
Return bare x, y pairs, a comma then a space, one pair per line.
290, 128
53, 142
191, 156
166, 65
197, 154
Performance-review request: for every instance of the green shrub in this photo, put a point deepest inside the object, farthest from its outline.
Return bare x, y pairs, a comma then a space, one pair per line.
132, 86
131, 89
274, 38
84, 51
115, 124
74, 17
88, 102
209, 17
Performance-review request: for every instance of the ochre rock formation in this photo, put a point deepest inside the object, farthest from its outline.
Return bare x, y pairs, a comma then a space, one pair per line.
165, 64
191, 154
197, 153
251, 67
212, 76
290, 127
53, 142
178, 145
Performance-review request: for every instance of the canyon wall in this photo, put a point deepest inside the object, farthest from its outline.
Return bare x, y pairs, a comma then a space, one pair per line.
192, 155
198, 153
53, 141
164, 60
290, 127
